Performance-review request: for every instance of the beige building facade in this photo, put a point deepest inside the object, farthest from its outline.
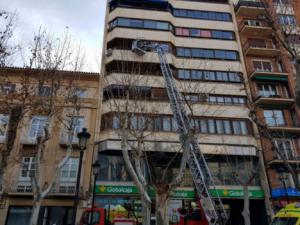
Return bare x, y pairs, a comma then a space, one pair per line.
16, 196
205, 55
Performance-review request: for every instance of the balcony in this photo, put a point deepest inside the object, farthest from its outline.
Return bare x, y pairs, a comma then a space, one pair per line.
64, 189
260, 48
285, 129
268, 75
290, 156
278, 100
26, 140
21, 188
250, 8
255, 28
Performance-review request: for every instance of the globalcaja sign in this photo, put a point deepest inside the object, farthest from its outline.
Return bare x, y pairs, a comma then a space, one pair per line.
104, 189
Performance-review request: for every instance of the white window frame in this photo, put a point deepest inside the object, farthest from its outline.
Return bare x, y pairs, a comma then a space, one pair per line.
75, 129
69, 168
42, 121
4, 120
261, 61
80, 93
31, 168
285, 150
274, 118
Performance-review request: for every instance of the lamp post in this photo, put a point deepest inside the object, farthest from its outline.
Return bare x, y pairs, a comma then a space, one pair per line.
282, 179
96, 171
83, 137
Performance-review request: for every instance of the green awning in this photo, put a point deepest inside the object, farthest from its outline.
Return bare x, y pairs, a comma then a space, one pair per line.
272, 78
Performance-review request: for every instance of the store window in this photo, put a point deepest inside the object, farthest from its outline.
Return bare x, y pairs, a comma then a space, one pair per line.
18, 215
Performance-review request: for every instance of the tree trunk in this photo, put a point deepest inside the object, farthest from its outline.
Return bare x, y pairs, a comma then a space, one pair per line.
35, 213
246, 210
298, 81
146, 211
161, 209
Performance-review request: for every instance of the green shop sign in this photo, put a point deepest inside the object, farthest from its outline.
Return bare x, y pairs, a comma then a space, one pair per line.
179, 193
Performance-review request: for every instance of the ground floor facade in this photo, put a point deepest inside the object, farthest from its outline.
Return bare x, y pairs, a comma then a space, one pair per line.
122, 199
17, 210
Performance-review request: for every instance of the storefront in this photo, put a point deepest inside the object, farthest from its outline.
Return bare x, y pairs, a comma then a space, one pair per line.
122, 199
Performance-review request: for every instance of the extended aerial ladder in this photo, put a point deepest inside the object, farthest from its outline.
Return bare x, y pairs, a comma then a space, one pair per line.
212, 207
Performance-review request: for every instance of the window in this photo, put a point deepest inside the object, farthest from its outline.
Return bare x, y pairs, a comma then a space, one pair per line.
267, 90
203, 126
80, 93
4, 119
285, 221
287, 20
274, 117
219, 54
28, 168
162, 25
123, 22
136, 23
264, 66
7, 88
44, 91
112, 168
227, 127
150, 24
207, 53
206, 15
211, 126
69, 171
76, 124
116, 122
38, 123
286, 149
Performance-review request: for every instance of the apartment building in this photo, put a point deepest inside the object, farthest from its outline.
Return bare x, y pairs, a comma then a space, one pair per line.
16, 197
203, 50
270, 76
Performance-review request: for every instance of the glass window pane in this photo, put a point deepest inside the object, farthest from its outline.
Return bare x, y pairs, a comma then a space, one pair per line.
149, 24
227, 127
162, 25
236, 127
211, 126
219, 124
136, 23
124, 22
203, 126
166, 124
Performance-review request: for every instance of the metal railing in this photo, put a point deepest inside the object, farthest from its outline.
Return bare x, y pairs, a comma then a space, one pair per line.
256, 4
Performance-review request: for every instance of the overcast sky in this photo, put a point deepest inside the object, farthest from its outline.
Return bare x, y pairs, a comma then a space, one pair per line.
83, 17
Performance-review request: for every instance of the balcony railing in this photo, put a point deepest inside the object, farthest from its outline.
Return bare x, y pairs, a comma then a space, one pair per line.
21, 187
253, 4
259, 48
68, 188
257, 28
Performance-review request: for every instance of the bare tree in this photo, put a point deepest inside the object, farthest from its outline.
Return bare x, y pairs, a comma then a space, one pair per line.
7, 27
129, 96
42, 87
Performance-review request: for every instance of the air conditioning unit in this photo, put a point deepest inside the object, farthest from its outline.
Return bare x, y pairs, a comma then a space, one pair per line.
109, 52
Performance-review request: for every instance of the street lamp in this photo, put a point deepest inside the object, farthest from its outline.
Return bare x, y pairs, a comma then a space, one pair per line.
83, 137
282, 178
96, 172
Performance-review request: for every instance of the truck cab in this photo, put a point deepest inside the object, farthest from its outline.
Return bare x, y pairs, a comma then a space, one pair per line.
290, 215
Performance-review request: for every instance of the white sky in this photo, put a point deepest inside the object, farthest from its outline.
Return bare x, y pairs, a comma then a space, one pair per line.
85, 19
